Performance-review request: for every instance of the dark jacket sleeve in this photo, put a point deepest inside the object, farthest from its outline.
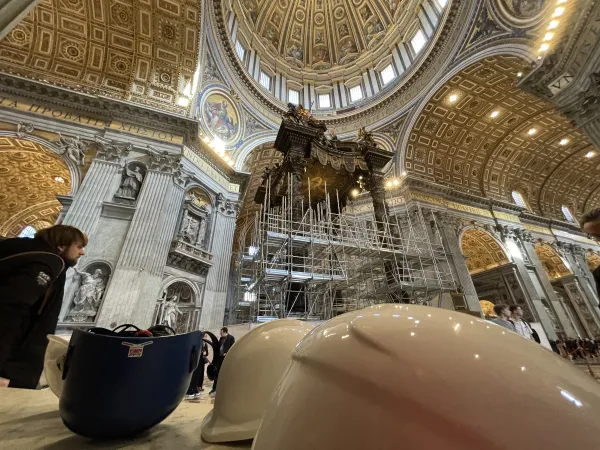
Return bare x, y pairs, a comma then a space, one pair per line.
229, 341
20, 293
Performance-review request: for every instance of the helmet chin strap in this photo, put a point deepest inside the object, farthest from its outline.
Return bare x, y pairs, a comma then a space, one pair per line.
214, 343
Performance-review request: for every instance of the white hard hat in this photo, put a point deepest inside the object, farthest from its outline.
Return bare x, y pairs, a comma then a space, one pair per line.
248, 377
53, 362
421, 378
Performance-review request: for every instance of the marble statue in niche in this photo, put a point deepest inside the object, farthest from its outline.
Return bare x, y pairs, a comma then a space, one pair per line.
170, 312
89, 294
131, 183
195, 219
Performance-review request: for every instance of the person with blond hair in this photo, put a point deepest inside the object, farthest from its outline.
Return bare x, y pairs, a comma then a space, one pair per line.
32, 280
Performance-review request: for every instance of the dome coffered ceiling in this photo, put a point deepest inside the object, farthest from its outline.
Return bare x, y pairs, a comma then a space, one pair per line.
317, 35
481, 133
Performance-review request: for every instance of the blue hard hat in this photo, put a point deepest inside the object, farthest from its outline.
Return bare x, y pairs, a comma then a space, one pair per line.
116, 386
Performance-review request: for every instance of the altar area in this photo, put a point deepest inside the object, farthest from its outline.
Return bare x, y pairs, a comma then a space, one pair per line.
30, 420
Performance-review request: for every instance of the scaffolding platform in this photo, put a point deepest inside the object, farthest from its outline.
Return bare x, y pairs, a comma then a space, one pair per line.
327, 263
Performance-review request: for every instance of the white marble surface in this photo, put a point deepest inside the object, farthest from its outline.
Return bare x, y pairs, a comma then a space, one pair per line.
30, 420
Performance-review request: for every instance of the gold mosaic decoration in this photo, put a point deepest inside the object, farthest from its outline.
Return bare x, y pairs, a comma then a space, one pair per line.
481, 250
553, 264
143, 50
27, 179
460, 144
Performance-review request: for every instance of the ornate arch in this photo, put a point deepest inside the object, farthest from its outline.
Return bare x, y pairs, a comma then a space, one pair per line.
33, 171
482, 250
241, 154
74, 169
554, 264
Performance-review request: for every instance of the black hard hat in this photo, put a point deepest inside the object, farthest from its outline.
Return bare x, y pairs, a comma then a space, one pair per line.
118, 386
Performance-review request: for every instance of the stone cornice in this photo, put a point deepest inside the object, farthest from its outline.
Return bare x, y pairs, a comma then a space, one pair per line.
101, 107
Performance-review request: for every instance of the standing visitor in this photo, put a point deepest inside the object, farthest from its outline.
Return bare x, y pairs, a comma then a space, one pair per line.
198, 376
503, 317
521, 327
32, 280
225, 343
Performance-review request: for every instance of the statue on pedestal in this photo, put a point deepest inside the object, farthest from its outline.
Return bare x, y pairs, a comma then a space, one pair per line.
170, 312
131, 184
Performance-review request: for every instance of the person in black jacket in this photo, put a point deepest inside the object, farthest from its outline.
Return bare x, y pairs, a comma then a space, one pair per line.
225, 343
32, 280
198, 376
590, 224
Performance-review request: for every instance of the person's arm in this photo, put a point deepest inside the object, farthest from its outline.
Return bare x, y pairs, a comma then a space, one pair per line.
19, 292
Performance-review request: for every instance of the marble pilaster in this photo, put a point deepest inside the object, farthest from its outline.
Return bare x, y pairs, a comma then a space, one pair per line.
574, 255
527, 285
137, 278
551, 297
84, 211
215, 293
449, 229
12, 12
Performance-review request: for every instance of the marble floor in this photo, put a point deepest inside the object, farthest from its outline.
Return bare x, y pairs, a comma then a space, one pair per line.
30, 420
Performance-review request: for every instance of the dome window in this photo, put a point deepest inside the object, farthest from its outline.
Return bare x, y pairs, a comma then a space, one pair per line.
265, 80
240, 50
324, 101
293, 97
418, 41
356, 93
442, 3
387, 74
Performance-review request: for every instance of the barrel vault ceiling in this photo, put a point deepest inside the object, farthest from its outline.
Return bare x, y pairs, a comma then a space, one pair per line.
481, 251
482, 134
145, 51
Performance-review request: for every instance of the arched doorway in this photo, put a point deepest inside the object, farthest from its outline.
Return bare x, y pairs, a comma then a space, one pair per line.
31, 176
568, 291
178, 307
495, 277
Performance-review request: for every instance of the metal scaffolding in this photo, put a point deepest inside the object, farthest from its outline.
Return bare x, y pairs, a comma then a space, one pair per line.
327, 263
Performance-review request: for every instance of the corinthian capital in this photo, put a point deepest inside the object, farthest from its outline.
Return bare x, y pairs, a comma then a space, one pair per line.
111, 150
